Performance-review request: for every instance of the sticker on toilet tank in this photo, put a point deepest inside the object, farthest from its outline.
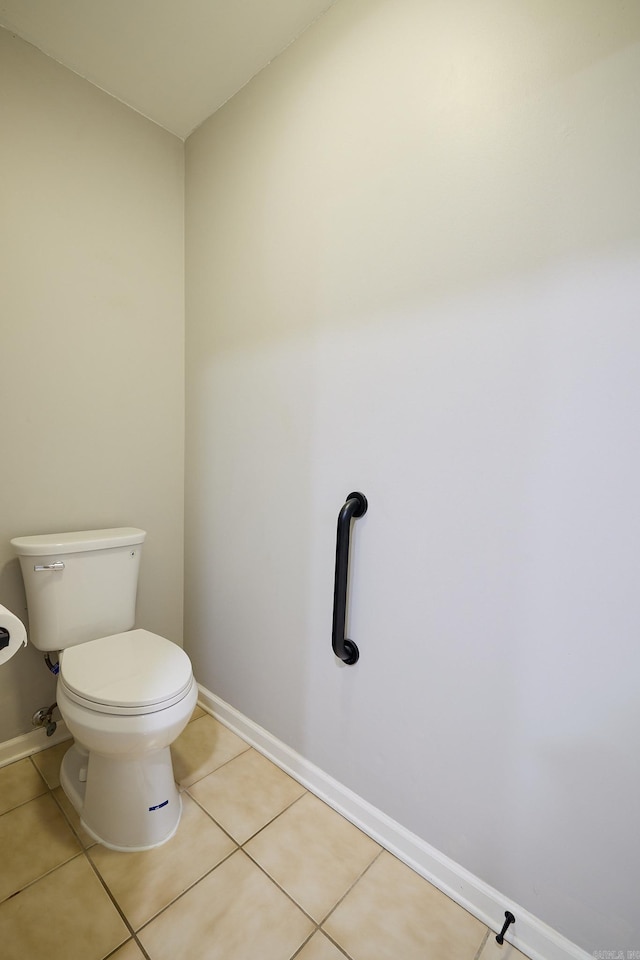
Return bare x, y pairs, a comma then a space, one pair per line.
159, 806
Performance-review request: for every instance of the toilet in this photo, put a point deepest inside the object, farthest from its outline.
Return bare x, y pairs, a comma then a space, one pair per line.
125, 694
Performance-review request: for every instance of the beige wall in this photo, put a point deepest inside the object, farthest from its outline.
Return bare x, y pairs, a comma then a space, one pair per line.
412, 270
91, 338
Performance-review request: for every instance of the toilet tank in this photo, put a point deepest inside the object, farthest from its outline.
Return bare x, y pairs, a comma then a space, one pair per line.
81, 585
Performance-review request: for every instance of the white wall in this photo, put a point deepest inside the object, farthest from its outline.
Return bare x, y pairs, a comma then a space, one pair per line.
412, 270
91, 338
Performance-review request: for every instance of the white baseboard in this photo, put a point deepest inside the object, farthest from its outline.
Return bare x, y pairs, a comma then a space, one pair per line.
32, 742
529, 934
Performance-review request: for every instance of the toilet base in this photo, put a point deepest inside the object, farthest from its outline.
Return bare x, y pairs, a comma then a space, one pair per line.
124, 804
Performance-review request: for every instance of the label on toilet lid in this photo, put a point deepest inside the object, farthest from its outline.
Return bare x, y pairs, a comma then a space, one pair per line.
132, 669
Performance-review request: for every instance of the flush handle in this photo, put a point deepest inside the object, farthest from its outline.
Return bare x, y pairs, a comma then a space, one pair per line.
58, 565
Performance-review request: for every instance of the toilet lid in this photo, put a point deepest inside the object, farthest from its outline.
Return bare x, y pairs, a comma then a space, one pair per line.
132, 669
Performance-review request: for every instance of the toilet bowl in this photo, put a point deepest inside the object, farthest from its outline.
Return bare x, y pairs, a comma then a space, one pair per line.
125, 694
125, 699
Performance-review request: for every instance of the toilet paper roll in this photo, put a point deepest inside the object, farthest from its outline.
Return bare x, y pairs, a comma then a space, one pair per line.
12, 634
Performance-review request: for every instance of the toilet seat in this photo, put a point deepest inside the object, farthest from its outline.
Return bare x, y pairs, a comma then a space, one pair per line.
131, 673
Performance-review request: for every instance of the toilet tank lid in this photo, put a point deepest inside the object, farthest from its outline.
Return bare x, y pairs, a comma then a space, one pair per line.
52, 544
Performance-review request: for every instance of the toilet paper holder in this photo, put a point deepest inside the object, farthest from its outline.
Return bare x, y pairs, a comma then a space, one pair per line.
13, 634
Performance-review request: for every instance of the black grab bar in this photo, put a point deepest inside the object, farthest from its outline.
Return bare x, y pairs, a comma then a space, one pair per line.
355, 506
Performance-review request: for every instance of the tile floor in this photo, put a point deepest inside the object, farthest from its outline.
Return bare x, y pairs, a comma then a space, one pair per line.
259, 868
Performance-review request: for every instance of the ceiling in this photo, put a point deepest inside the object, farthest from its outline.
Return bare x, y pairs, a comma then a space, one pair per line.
175, 61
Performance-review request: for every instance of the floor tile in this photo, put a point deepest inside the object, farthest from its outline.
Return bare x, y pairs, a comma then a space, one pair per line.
19, 782
130, 951
234, 913
313, 853
48, 762
246, 794
201, 748
492, 950
34, 838
197, 713
144, 883
320, 948
72, 817
392, 912
66, 915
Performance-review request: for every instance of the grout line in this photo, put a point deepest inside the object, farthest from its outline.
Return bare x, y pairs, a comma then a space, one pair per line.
47, 873
23, 803
273, 819
130, 927
336, 945
313, 920
347, 892
213, 819
37, 768
74, 830
321, 933
317, 923
114, 951
109, 893
186, 890
185, 787
303, 945
259, 830
241, 846
141, 948
482, 945
121, 945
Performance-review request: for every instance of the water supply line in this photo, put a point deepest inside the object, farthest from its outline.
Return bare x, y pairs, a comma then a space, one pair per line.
43, 718
54, 667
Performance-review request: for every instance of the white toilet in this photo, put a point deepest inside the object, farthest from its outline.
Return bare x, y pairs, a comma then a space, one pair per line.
124, 694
